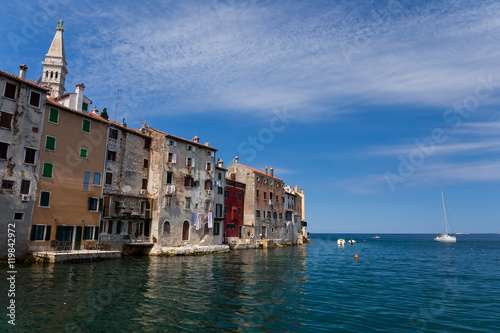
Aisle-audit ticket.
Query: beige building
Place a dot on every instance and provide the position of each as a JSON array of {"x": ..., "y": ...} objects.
[{"x": 22, "y": 110}]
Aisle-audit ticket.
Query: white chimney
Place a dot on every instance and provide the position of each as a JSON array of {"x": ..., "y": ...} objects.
[
  {"x": 196, "y": 139},
  {"x": 271, "y": 170},
  {"x": 95, "y": 111},
  {"x": 79, "y": 96},
  {"x": 22, "y": 72}
]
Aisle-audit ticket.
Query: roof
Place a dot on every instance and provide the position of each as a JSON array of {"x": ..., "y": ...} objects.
[
  {"x": 17, "y": 78},
  {"x": 218, "y": 167},
  {"x": 182, "y": 139},
  {"x": 258, "y": 171}
]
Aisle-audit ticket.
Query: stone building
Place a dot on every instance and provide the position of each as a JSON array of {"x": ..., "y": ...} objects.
[
  {"x": 126, "y": 214},
  {"x": 22, "y": 110},
  {"x": 218, "y": 191},
  {"x": 264, "y": 204},
  {"x": 182, "y": 188}
]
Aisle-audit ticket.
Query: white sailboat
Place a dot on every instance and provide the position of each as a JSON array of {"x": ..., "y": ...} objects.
[{"x": 445, "y": 238}]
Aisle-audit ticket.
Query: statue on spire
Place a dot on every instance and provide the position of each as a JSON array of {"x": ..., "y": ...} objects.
[{"x": 60, "y": 23}]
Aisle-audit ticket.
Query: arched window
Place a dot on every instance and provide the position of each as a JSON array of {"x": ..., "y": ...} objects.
[
  {"x": 47, "y": 74},
  {"x": 56, "y": 75},
  {"x": 51, "y": 75},
  {"x": 185, "y": 231},
  {"x": 166, "y": 228}
]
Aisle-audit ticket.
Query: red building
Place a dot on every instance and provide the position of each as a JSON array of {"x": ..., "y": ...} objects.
[{"x": 234, "y": 198}]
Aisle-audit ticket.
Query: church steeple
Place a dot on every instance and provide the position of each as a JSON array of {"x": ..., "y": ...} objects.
[{"x": 54, "y": 66}]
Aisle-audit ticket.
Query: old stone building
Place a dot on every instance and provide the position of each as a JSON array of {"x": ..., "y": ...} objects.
[
  {"x": 22, "y": 109},
  {"x": 182, "y": 188},
  {"x": 218, "y": 191},
  {"x": 126, "y": 214},
  {"x": 264, "y": 204}
]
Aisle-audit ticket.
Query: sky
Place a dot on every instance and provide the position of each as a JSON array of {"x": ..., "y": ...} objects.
[{"x": 373, "y": 107}]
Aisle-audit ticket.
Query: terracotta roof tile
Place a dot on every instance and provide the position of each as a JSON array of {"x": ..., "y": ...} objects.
[
  {"x": 261, "y": 172},
  {"x": 15, "y": 77}
]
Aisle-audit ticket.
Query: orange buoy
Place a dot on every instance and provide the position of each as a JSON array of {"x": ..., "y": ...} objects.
[{"x": 356, "y": 256}]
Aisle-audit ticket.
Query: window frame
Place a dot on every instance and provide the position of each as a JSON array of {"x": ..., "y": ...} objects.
[
  {"x": 40, "y": 199},
  {"x": 50, "y": 114},
  {"x": 31, "y": 96},
  {"x": 93, "y": 179},
  {"x": 10, "y": 120},
  {"x": 44, "y": 165},
  {"x": 15, "y": 90},
  {"x": 86, "y": 153},
  {"x": 92, "y": 200},
  {"x": 34, "y": 158},
  {"x": 6, "y": 150},
  {"x": 46, "y": 141},
  {"x": 85, "y": 120}
]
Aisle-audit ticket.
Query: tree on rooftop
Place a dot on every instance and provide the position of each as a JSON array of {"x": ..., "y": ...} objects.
[{"x": 104, "y": 113}]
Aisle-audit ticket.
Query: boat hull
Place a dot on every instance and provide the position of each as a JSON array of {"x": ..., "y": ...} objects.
[{"x": 445, "y": 239}]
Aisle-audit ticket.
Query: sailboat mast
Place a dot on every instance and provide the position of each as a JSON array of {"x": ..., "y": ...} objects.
[{"x": 444, "y": 210}]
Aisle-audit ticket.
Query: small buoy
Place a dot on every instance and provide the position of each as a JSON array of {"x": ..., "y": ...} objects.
[{"x": 356, "y": 256}]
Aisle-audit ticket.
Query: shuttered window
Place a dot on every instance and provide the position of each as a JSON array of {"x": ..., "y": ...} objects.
[
  {"x": 50, "y": 143},
  {"x": 86, "y": 126},
  {"x": 47, "y": 170},
  {"x": 54, "y": 115}
]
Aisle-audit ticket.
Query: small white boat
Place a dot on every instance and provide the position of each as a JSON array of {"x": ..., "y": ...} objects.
[
  {"x": 445, "y": 238},
  {"x": 351, "y": 241},
  {"x": 341, "y": 242}
]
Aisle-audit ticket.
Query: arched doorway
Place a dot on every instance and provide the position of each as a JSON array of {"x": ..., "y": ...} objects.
[{"x": 185, "y": 231}]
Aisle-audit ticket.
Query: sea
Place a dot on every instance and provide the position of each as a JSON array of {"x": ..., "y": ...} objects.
[{"x": 398, "y": 283}]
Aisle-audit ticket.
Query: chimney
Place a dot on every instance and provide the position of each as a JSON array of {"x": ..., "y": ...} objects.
[
  {"x": 196, "y": 139},
  {"x": 296, "y": 189},
  {"x": 79, "y": 96},
  {"x": 220, "y": 163},
  {"x": 124, "y": 124},
  {"x": 207, "y": 144},
  {"x": 271, "y": 171},
  {"x": 22, "y": 72},
  {"x": 95, "y": 111},
  {"x": 266, "y": 169},
  {"x": 236, "y": 159}
]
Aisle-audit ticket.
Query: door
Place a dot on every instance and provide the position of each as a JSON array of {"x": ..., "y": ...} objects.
[
  {"x": 185, "y": 231},
  {"x": 78, "y": 238}
]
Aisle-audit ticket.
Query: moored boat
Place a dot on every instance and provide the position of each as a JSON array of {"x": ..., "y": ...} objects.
[{"x": 341, "y": 242}]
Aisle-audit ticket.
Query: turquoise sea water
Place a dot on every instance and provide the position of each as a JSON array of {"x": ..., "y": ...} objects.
[{"x": 400, "y": 283}]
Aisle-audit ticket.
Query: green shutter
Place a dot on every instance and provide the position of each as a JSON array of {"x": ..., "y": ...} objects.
[
  {"x": 101, "y": 204},
  {"x": 54, "y": 116},
  {"x": 96, "y": 233},
  {"x": 47, "y": 170},
  {"x": 83, "y": 153},
  {"x": 47, "y": 233},
  {"x": 86, "y": 126},
  {"x": 33, "y": 232},
  {"x": 50, "y": 143},
  {"x": 59, "y": 232},
  {"x": 85, "y": 106}
]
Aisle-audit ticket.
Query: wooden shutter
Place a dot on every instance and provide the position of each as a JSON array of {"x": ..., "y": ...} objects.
[
  {"x": 47, "y": 232},
  {"x": 96, "y": 233},
  {"x": 101, "y": 204},
  {"x": 59, "y": 232},
  {"x": 33, "y": 232}
]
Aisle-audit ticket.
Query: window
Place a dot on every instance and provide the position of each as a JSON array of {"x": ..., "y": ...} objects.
[
  {"x": 257, "y": 194},
  {"x": 172, "y": 143},
  {"x": 83, "y": 153},
  {"x": 170, "y": 177},
  {"x": 86, "y": 181},
  {"x": 34, "y": 99},
  {"x": 18, "y": 216},
  {"x": 190, "y": 162},
  {"x": 281, "y": 216},
  {"x": 265, "y": 195},
  {"x": 5, "y": 120},
  {"x": 210, "y": 153},
  {"x": 257, "y": 178},
  {"x": 85, "y": 106},
  {"x": 219, "y": 175},
  {"x": 113, "y": 133},
  {"x": 209, "y": 166},
  {"x": 166, "y": 228},
  {"x": 53, "y": 116},
  {"x": 275, "y": 215},
  {"x": 10, "y": 90},
  {"x": 40, "y": 232},
  {"x": 216, "y": 228},
  {"x": 7, "y": 184},
  {"x": 172, "y": 158},
  {"x": 50, "y": 143},
  {"x": 109, "y": 178},
  {"x": 257, "y": 213},
  {"x": 239, "y": 210},
  {"x": 111, "y": 155},
  {"x": 265, "y": 180},
  {"x": 207, "y": 205},
  {"x": 208, "y": 184},
  {"x": 146, "y": 163},
  {"x": 89, "y": 233},
  {"x": 86, "y": 126},
  {"x": 190, "y": 148},
  {"x": 147, "y": 144},
  {"x": 277, "y": 198},
  {"x": 97, "y": 178},
  {"x": 188, "y": 203},
  {"x": 25, "y": 186},
  {"x": 93, "y": 204},
  {"x": 47, "y": 170},
  {"x": 218, "y": 210},
  {"x": 168, "y": 201},
  {"x": 225, "y": 209},
  {"x": 4, "y": 147},
  {"x": 271, "y": 182},
  {"x": 239, "y": 196},
  {"x": 226, "y": 194},
  {"x": 271, "y": 196},
  {"x": 283, "y": 199},
  {"x": 188, "y": 181},
  {"x": 29, "y": 155},
  {"x": 144, "y": 183},
  {"x": 44, "y": 199},
  {"x": 220, "y": 190},
  {"x": 268, "y": 214}
]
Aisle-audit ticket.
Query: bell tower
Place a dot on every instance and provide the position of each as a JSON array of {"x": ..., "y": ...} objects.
[{"x": 54, "y": 66}]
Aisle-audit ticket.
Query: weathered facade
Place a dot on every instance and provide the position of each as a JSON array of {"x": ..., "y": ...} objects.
[
  {"x": 70, "y": 186},
  {"x": 264, "y": 204},
  {"x": 218, "y": 191},
  {"x": 234, "y": 210},
  {"x": 22, "y": 108},
  {"x": 126, "y": 213},
  {"x": 182, "y": 189}
]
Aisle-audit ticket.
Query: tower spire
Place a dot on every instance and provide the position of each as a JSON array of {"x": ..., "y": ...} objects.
[{"x": 54, "y": 66}]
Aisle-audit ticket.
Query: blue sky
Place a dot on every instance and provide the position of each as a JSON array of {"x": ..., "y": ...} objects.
[{"x": 373, "y": 107}]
